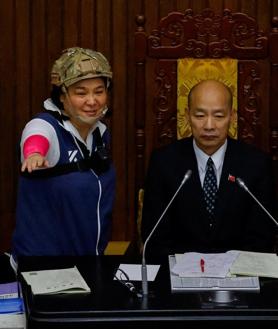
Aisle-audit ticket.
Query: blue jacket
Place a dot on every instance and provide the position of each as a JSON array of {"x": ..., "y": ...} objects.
[{"x": 68, "y": 214}]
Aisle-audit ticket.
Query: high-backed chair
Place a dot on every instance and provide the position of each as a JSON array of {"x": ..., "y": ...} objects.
[{"x": 206, "y": 35}]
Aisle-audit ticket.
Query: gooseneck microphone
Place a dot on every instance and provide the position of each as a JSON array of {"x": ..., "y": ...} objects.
[
  {"x": 144, "y": 266},
  {"x": 241, "y": 183}
]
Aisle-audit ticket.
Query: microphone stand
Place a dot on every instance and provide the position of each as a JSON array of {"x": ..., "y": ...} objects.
[
  {"x": 222, "y": 297},
  {"x": 144, "y": 266},
  {"x": 241, "y": 183}
]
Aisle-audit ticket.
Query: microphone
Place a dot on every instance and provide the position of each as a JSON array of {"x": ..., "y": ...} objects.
[
  {"x": 241, "y": 184},
  {"x": 144, "y": 266}
]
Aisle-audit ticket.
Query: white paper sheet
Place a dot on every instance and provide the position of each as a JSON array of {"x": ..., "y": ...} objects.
[
  {"x": 215, "y": 265},
  {"x": 12, "y": 321},
  {"x": 134, "y": 272},
  {"x": 256, "y": 264}
]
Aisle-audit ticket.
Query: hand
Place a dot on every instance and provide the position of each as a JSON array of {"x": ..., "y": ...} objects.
[{"x": 33, "y": 162}]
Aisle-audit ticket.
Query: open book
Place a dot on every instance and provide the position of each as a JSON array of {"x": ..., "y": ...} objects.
[{"x": 61, "y": 281}]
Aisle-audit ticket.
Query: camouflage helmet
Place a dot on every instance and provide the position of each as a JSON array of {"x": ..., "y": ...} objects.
[{"x": 77, "y": 64}]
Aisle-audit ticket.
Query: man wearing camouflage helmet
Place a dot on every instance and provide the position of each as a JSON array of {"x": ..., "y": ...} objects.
[{"x": 67, "y": 184}]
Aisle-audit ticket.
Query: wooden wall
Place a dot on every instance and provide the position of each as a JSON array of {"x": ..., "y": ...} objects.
[{"x": 32, "y": 35}]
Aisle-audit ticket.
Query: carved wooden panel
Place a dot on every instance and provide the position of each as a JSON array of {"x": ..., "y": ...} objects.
[
  {"x": 250, "y": 108},
  {"x": 207, "y": 35},
  {"x": 165, "y": 102},
  {"x": 273, "y": 104}
]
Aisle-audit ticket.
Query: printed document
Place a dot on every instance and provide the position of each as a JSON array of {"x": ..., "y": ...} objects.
[
  {"x": 63, "y": 281},
  {"x": 184, "y": 284},
  {"x": 9, "y": 290},
  {"x": 256, "y": 264},
  {"x": 10, "y": 300},
  {"x": 193, "y": 264}
]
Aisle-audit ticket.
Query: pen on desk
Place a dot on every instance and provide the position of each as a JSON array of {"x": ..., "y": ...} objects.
[{"x": 202, "y": 265}]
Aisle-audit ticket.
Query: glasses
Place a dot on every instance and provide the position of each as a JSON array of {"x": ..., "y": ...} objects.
[{"x": 122, "y": 277}]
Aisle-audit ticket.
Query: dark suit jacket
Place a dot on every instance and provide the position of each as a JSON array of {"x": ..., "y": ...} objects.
[{"x": 240, "y": 223}]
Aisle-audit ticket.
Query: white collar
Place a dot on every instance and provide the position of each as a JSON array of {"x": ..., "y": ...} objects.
[{"x": 202, "y": 157}]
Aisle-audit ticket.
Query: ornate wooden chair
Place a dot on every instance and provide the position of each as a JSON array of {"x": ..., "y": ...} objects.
[{"x": 207, "y": 36}]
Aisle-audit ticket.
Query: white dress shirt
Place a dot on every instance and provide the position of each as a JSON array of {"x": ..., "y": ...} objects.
[{"x": 217, "y": 157}]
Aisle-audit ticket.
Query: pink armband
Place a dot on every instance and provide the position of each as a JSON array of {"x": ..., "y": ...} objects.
[{"x": 35, "y": 144}]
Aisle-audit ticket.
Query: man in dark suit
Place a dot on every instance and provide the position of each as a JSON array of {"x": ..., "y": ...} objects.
[{"x": 196, "y": 221}]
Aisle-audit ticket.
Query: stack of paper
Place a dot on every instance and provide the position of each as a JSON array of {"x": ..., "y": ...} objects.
[
  {"x": 12, "y": 321},
  {"x": 11, "y": 307},
  {"x": 10, "y": 301},
  {"x": 256, "y": 264},
  {"x": 221, "y": 265},
  {"x": 61, "y": 281},
  {"x": 9, "y": 290},
  {"x": 193, "y": 264},
  {"x": 197, "y": 283}
]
